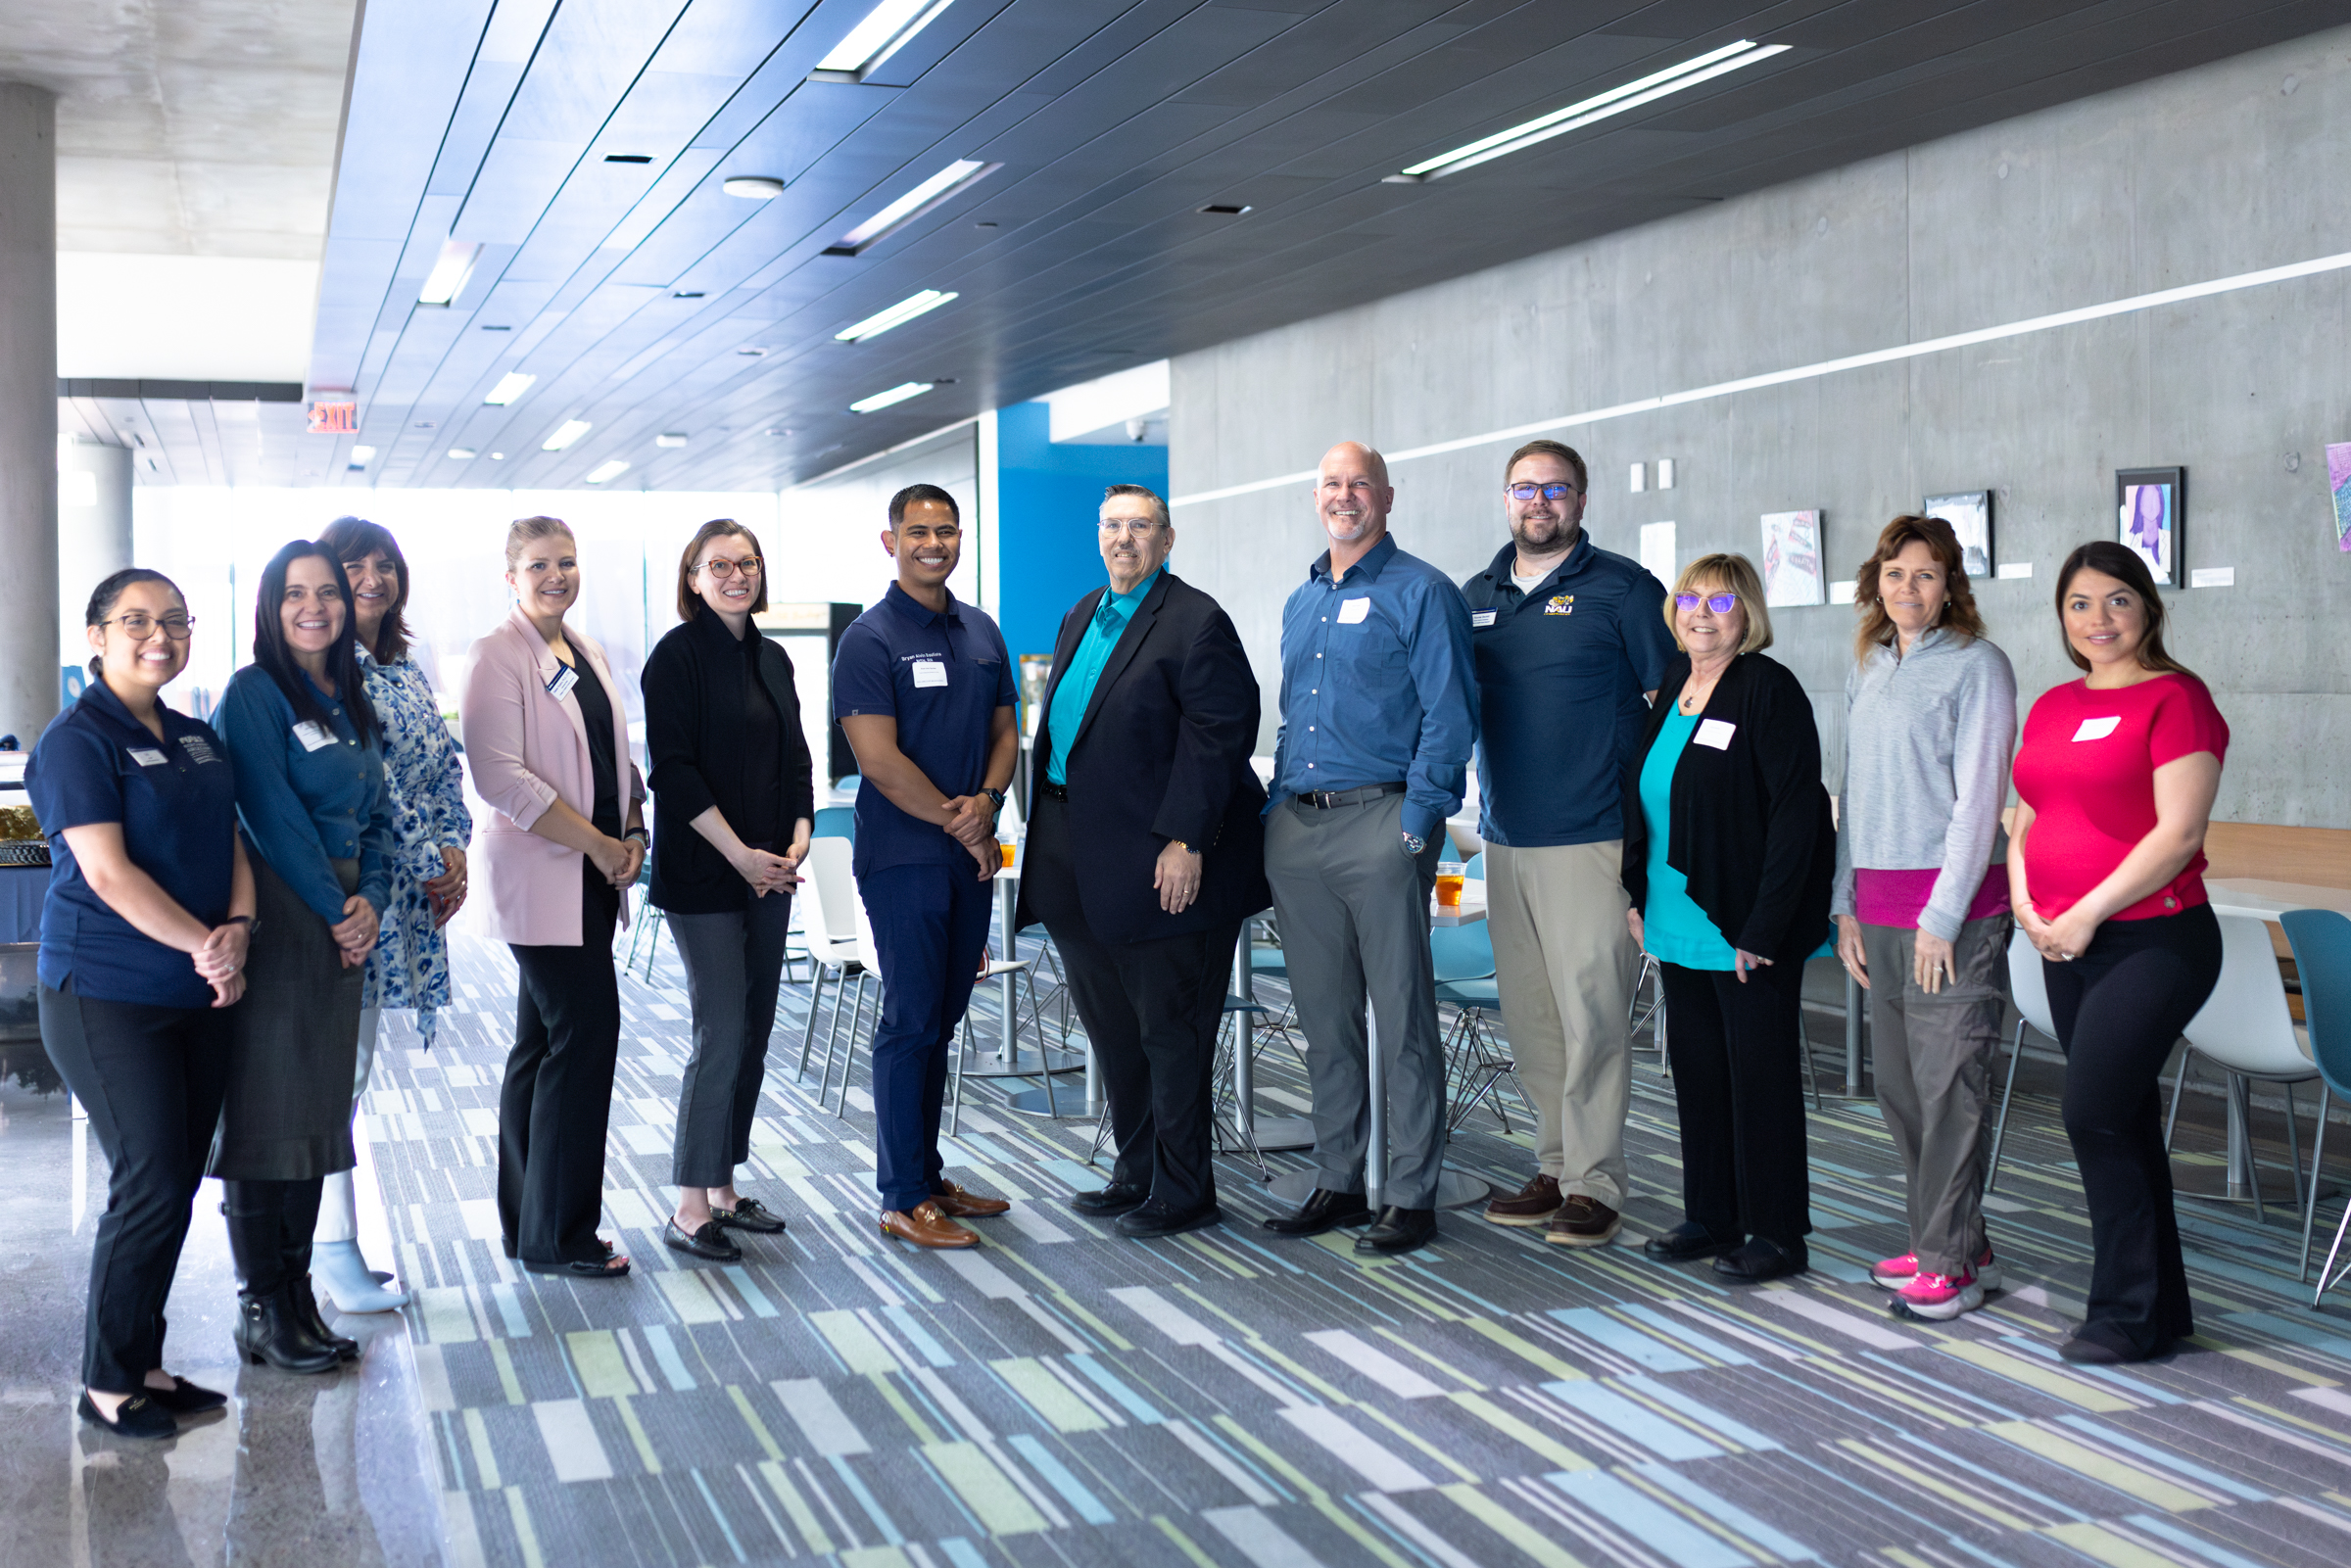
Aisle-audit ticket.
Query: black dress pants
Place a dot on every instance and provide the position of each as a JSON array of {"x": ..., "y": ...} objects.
[
  {"x": 152, "y": 1079},
  {"x": 558, "y": 1097},
  {"x": 1152, "y": 1010},
  {"x": 2119, "y": 1008},
  {"x": 1739, "y": 1084}
]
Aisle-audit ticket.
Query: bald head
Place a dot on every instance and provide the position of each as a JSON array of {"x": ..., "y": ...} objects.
[
  {"x": 1353, "y": 496},
  {"x": 1354, "y": 458}
]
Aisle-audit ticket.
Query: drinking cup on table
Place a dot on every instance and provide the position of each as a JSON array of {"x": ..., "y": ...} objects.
[{"x": 1450, "y": 874}]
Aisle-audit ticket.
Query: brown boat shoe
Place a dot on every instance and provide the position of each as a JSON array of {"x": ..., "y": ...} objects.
[
  {"x": 1532, "y": 1205},
  {"x": 1583, "y": 1222},
  {"x": 954, "y": 1200},
  {"x": 927, "y": 1226}
]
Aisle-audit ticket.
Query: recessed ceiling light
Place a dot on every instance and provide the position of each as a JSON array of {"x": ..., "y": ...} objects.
[
  {"x": 1599, "y": 106},
  {"x": 461, "y": 454},
  {"x": 361, "y": 456},
  {"x": 753, "y": 187},
  {"x": 569, "y": 431},
  {"x": 487, "y": 328},
  {"x": 424, "y": 424},
  {"x": 670, "y": 438},
  {"x": 498, "y": 456},
  {"x": 753, "y": 352},
  {"x": 887, "y": 28},
  {"x": 511, "y": 386},
  {"x": 603, "y": 471},
  {"x": 686, "y": 294},
  {"x": 447, "y": 281},
  {"x": 628, "y": 157},
  {"x": 948, "y": 183},
  {"x": 1226, "y": 210},
  {"x": 897, "y": 394},
  {"x": 898, "y": 314}
]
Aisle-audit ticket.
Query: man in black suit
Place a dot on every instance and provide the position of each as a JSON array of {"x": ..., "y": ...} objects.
[{"x": 1146, "y": 853}]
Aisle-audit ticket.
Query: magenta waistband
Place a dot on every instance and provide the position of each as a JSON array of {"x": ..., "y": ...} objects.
[{"x": 1896, "y": 897}]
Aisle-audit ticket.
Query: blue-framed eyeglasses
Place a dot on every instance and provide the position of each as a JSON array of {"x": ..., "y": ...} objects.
[
  {"x": 1556, "y": 490},
  {"x": 1719, "y": 604}
]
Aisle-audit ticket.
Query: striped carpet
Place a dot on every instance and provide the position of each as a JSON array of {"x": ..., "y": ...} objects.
[{"x": 1059, "y": 1396}]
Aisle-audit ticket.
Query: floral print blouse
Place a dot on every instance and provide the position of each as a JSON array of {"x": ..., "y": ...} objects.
[{"x": 410, "y": 964}]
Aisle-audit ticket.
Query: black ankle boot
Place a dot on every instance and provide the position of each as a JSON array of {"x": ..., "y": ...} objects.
[
  {"x": 306, "y": 1300},
  {"x": 271, "y": 1332}
]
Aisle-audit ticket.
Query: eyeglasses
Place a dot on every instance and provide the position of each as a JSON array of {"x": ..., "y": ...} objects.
[
  {"x": 1139, "y": 527},
  {"x": 1552, "y": 491},
  {"x": 720, "y": 567},
  {"x": 1719, "y": 604},
  {"x": 136, "y": 623}
]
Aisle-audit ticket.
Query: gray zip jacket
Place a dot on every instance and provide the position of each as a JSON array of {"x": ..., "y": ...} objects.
[{"x": 1926, "y": 744}]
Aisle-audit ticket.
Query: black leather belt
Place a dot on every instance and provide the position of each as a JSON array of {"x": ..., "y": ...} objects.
[
  {"x": 1328, "y": 799},
  {"x": 1052, "y": 791}
]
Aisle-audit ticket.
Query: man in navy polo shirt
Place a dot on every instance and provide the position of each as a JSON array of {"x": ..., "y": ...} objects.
[
  {"x": 1571, "y": 644},
  {"x": 925, "y": 694}
]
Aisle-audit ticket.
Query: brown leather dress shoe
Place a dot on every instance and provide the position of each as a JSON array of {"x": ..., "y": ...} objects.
[
  {"x": 1583, "y": 1222},
  {"x": 953, "y": 1200},
  {"x": 927, "y": 1226},
  {"x": 1531, "y": 1204}
]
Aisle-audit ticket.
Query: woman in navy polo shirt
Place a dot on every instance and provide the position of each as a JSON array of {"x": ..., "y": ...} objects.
[
  {"x": 142, "y": 955},
  {"x": 308, "y": 752}
]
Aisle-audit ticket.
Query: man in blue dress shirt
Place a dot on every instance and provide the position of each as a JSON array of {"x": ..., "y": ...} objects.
[{"x": 1378, "y": 718}]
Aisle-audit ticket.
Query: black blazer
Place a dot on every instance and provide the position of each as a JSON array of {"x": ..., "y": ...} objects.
[
  {"x": 1749, "y": 824},
  {"x": 694, "y": 685},
  {"x": 1163, "y": 753}
]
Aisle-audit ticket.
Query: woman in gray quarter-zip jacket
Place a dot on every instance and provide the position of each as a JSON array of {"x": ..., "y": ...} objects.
[{"x": 1922, "y": 891}]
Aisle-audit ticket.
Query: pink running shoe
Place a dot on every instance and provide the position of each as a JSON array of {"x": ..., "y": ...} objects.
[
  {"x": 1937, "y": 1297},
  {"x": 1894, "y": 1273}
]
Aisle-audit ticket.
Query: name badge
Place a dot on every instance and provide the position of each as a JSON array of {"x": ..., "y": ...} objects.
[
  {"x": 929, "y": 672},
  {"x": 2098, "y": 729},
  {"x": 566, "y": 678},
  {"x": 1479, "y": 618},
  {"x": 146, "y": 756},
  {"x": 1716, "y": 732},
  {"x": 1353, "y": 610},
  {"x": 312, "y": 734}
]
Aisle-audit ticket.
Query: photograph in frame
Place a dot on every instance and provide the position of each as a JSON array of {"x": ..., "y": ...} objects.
[
  {"x": 1793, "y": 572},
  {"x": 1969, "y": 512},
  {"x": 2151, "y": 518}
]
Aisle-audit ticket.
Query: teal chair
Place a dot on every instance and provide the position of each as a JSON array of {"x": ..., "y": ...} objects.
[
  {"x": 834, "y": 822},
  {"x": 1475, "y": 1061},
  {"x": 2322, "y": 943}
]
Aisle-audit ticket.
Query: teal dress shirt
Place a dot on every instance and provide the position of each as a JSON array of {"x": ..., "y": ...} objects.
[
  {"x": 1077, "y": 688},
  {"x": 1674, "y": 928}
]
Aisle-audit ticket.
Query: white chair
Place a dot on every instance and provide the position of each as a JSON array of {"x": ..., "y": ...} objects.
[
  {"x": 2245, "y": 1030},
  {"x": 828, "y": 897},
  {"x": 869, "y": 962},
  {"x": 2031, "y": 994}
]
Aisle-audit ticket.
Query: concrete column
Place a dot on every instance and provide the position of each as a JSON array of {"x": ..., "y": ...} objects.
[
  {"x": 29, "y": 646},
  {"x": 93, "y": 532}
]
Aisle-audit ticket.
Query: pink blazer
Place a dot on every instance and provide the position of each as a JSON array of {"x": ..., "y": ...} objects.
[{"x": 526, "y": 750}]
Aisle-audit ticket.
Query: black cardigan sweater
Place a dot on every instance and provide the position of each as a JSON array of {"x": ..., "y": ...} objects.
[
  {"x": 1748, "y": 824},
  {"x": 695, "y": 692}
]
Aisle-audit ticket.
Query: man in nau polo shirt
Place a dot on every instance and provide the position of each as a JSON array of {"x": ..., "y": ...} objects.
[{"x": 1570, "y": 642}]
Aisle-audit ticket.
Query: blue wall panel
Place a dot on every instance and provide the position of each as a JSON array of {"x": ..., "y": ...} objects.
[{"x": 1048, "y": 497}]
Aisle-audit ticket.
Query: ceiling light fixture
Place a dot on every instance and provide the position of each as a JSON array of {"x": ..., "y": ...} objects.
[
  {"x": 628, "y": 157},
  {"x": 949, "y": 182},
  {"x": 753, "y": 187},
  {"x": 569, "y": 431},
  {"x": 608, "y": 470},
  {"x": 461, "y": 454},
  {"x": 887, "y": 28},
  {"x": 511, "y": 386},
  {"x": 447, "y": 281},
  {"x": 1227, "y": 209},
  {"x": 898, "y": 314},
  {"x": 670, "y": 438},
  {"x": 361, "y": 456},
  {"x": 897, "y": 394},
  {"x": 1615, "y": 101}
]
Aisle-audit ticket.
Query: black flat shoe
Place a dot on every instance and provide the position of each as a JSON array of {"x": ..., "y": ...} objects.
[
  {"x": 184, "y": 1398},
  {"x": 709, "y": 1241},
  {"x": 1399, "y": 1230},
  {"x": 1154, "y": 1219},
  {"x": 749, "y": 1215},
  {"x": 1758, "y": 1261},
  {"x": 1324, "y": 1209},
  {"x": 138, "y": 1416},
  {"x": 1686, "y": 1243},
  {"x": 1119, "y": 1198}
]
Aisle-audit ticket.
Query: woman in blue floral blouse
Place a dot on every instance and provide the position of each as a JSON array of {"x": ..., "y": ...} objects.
[{"x": 409, "y": 968}]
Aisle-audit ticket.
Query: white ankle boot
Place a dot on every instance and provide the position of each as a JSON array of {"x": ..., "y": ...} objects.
[{"x": 338, "y": 1266}]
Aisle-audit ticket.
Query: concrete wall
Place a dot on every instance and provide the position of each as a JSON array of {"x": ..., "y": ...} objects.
[{"x": 2205, "y": 174}]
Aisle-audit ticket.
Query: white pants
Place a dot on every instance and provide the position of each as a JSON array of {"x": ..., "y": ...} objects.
[{"x": 338, "y": 1204}]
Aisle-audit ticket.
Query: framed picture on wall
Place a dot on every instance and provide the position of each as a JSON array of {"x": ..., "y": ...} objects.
[
  {"x": 1791, "y": 568},
  {"x": 1969, "y": 512},
  {"x": 2151, "y": 517}
]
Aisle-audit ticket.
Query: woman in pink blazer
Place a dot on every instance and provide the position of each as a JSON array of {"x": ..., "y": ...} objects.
[{"x": 546, "y": 739}]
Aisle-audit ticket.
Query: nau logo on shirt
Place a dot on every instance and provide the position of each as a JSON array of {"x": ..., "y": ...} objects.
[{"x": 1561, "y": 604}]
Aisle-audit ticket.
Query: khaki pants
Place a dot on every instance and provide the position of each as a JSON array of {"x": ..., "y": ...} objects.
[{"x": 1565, "y": 965}]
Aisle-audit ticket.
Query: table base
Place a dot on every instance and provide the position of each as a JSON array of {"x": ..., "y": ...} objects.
[{"x": 1022, "y": 1064}]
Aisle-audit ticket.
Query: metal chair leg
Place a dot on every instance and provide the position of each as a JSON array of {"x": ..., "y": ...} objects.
[
  {"x": 2327, "y": 1274},
  {"x": 816, "y": 994},
  {"x": 2188, "y": 1056},
  {"x": 848, "y": 1056},
  {"x": 2318, "y": 1162},
  {"x": 2241, "y": 1098},
  {"x": 1999, "y": 1131},
  {"x": 955, "y": 1067},
  {"x": 2293, "y": 1141}
]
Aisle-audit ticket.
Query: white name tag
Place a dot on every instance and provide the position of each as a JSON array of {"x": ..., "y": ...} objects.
[
  {"x": 929, "y": 672},
  {"x": 1353, "y": 610},
  {"x": 312, "y": 734},
  {"x": 1716, "y": 732},
  {"x": 566, "y": 678},
  {"x": 2098, "y": 729},
  {"x": 1479, "y": 617},
  {"x": 146, "y": 756}
]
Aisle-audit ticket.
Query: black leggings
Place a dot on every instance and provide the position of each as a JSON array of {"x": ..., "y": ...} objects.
[
  {"x": 2119, "y": 1008},
  {"x": 270, "y": 1229}
]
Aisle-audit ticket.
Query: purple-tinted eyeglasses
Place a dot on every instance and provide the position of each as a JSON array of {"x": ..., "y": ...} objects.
[{"x": 1719, "y": 604}]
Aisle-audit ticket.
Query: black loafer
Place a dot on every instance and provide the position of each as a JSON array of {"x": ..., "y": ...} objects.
[
  {"x": 612, "y": 1266},
  {"x": 1760, "y": 1261},
  {"x": 1154, "y": 1219},
  {"x": 1399, "y": 1230},
  {"x": 749, "y": 1215},
  {"x": 709, "y": 1241},
  {"x": 1324, "y": 1209},
  {"x": 138, "y": 1416},
  {"x": 1686, "y": 1243},
  {"x": 184, "y": 1398},
  {"x": 1119, "y": 1198}
]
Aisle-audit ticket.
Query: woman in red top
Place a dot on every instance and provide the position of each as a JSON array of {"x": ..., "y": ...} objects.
[{"x": 2116, "y": 778}]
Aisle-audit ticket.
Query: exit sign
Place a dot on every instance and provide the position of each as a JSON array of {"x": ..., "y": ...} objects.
[{"x": 334, "y": 419}]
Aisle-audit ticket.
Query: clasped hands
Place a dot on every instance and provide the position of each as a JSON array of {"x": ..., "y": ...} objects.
[
  {"x": 972, "y": 823},
  {"x": 221, "y": 961},
  {"x": 770, "y": 873},
  {"x": 2060, "y": 940}
]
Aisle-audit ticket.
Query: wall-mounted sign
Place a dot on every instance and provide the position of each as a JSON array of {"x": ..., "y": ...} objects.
[{"x": 334, "y": 419}]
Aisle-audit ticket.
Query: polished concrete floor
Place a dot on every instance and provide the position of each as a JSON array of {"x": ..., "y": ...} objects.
[{"x": 1060, "y": 1397}]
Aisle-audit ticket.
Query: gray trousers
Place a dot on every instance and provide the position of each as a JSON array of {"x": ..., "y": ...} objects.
[
  {"x": 734, "y": 963},
  {"x": 1354, "y": 914},
  {"x": 1934, "y": 1057}
]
